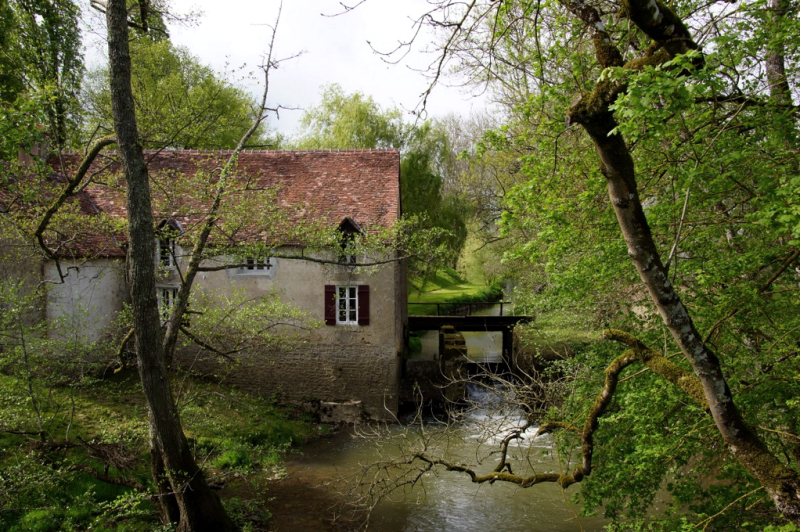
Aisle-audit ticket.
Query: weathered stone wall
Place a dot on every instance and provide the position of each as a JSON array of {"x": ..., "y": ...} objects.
[
  {"x": 334, "y": 372},
  {"x": 341, "y": 363}
]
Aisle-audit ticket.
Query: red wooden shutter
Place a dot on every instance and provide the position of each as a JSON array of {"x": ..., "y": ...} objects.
[
  {"x": 363, "y": 304},
  {"x": 330, "y": 304}
]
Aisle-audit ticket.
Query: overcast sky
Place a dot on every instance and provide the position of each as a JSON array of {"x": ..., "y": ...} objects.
[{"x": 233, "y": 32}]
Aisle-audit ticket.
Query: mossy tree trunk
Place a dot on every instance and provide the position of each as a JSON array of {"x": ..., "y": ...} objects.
[
  {"x": 616, "y": 163},
  {"x": 199, "y": 507}
]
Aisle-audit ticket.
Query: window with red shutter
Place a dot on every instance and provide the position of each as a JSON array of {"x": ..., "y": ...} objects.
[
  {"x": 330, "y": 304},
  {"x": 346, "y": 305},
  {"x": 363, "y": 304}
]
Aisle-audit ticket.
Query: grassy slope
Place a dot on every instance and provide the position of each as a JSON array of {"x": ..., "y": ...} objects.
[
  {"x": 444, "y": 286},
  {"x": 229, "y": 431}
]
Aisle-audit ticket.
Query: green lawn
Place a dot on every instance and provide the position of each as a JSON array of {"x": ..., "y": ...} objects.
[{"x": 445, "y": 286}]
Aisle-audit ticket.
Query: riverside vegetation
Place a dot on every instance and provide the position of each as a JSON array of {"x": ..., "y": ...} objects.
[{"x": 88, "y": 467}]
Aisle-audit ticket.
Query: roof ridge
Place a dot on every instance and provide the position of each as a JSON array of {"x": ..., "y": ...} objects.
[
  {"x": 181, "y": 151},
  {"x": 321, "y": 150}
]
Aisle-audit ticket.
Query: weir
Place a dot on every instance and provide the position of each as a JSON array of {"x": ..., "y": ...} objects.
[{"x": 437, "y": 376}]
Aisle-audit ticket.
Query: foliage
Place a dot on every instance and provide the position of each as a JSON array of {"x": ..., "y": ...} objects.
[
  {"x": 422, "y": 194},
  {"x": 42, "y": 489},
  {"x": 713, "y": 137},
  {"x": 180, "y": 103},
  {"x": 46, "y": 56},
  {"x": 355, "y": 121},
  {"x": 725, "y": 226},
  {"x": 10, "y": 81}
]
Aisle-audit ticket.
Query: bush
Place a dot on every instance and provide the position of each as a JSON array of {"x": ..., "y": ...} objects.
[{"x": 234, "y": 459}]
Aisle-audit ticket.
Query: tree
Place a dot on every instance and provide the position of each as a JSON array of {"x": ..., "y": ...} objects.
[
  {"x": 10, "y": 82},
  {"x": 180, "y": 102},
  {"x": 695, "y": 153},
  {"x": 191, "y": 501},
  {"x": 354, "y": 121},
  {"x": 422, "y": 192},
  {"x": 45, "y": 58}
]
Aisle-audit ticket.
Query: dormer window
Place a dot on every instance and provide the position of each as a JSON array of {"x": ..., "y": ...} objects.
[
  {"x": 166, "y": 233},
  {"x": 350, "y": 230}
]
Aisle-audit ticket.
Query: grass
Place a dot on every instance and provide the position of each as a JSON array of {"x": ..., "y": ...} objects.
[
  {"x": 228, "y": 430},
  {"x": 444, "y": 287}
]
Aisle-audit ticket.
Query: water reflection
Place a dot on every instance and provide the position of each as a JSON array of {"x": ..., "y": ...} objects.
[{"x": 448, "y": 500}]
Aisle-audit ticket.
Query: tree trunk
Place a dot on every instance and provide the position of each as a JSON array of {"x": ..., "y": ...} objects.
[
  {"x": 199, "y": 507},
  {"x": 592, "y": 112},
  {"x": 779, "y": 89}
]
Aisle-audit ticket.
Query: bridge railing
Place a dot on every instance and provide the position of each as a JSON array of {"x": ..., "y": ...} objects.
[{"x": 457, "y": 309}]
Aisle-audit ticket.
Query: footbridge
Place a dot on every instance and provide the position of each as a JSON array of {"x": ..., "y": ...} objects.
[{"x": 474, "y": 323}]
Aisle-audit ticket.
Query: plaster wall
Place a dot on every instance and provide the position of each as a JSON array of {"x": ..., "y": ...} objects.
[
  {"x": 340, "y": 363},
  {"x": 88, "y": 300},
  {"x": 21, "y": 265}
]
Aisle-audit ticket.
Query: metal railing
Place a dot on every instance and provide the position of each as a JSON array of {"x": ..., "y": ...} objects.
[{"x": 458, "y": 308}]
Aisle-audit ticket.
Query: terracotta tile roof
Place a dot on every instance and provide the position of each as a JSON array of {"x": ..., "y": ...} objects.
[
  {"x": 26, "y": 194},
  {"x": 326, "y": 185}
]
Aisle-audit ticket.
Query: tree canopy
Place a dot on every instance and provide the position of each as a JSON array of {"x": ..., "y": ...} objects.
[
  {"x": 180, "y": 102},
  {"x": 41, "y": 54},
  {"x": 656, "y": 192},
  {"x": 350, "y": 121}
]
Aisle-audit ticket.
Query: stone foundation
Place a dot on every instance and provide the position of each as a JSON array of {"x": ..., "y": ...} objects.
[{"x": 319, "y": 374}]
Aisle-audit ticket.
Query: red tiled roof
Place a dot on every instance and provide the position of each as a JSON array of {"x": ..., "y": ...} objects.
[{"x": 326, "y": 185}]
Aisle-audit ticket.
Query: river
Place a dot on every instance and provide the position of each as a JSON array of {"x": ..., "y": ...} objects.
[
  {"x": 446, "y": 500},
  {"x": 311, "y": 494}
]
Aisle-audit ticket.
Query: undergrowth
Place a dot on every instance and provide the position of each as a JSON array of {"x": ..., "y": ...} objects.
[{"x": 44, "y": 486}]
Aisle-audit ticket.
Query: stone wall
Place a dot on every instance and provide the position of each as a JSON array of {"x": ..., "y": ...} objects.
[
  {"x": 335, "y": 364},
  {"x": 341, "y": 363},
  {"x": 330, "y": 373}
]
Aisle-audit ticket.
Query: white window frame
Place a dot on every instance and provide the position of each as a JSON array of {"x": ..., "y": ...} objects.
[
  {"x": 256, "y": 264},
  {"x": 166, "y": 301},
  {"x": 266, "y": 269},
  {"x": 347, "y": 304},
  {"x": 168, "y": 260}
]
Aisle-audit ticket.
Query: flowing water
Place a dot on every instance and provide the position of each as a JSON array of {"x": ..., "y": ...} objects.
[
  {"x": 444, "y": 501},
  {"x": 448, "y": 500}
]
